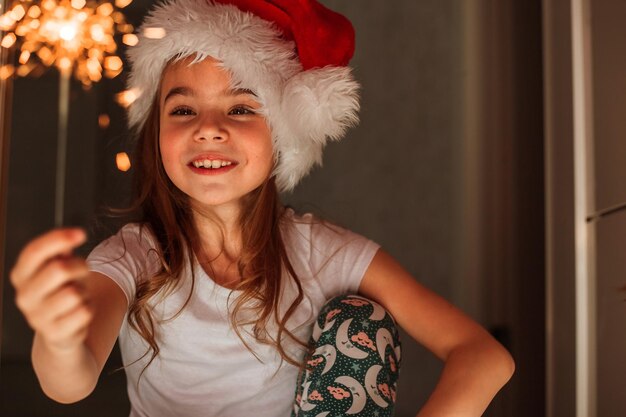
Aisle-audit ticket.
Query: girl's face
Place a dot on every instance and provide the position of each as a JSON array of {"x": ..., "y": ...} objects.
[{"x": 214, "y": 144}]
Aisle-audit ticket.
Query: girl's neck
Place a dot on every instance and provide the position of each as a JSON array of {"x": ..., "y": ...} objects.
[
  {"x": 219, "y": 246},
  {"x": 219, "y": 232}
]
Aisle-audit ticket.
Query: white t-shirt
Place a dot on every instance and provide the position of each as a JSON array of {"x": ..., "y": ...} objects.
[{"x": 203, "y": 368}]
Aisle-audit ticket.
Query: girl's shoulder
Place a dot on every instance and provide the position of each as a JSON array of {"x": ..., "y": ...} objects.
[
  {"x": 133, "y": 240},
  {"x": 133, "y": 234},
  {"x": 309, "y": 225},
  {"x": 127, "y": 257},
  {"x": 320, "y": 235}
]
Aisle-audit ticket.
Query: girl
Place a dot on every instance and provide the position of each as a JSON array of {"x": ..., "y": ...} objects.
[{"x": 216, "y": 289}]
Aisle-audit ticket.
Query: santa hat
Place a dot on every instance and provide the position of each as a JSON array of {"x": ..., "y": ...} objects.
[{"x": 291, "y": 53}]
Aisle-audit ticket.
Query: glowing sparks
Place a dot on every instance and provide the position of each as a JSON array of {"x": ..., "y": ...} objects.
[
  {"x": 104, "y": 121},
  {"x": 123, "y": 161},
  {"x": 8, "y": 40},
  {"x": 105, "y": 9},
  {"x": 24, "y": 57},
  {"x": 127, "y": 97},
  {"x": 65, "y": 63},
  {"x": 113, "y": 63},
  {"x": 154, "y": 33},
  {"x": 78, "y": 4},
  {"x": 6, "y": 71},
  {"x": 18, "y": 13},
  {"x": 130, "y": 39},
  {"x": 97, "y": 33},
  {"x": 34, "y": 12},
  {"x": 125, "y": 28},
  {"x": 6, "y": 22},
  {"x": 120, "y": 4},
  {"x": 25, "y": 70},
  {"x": 72, "y": 35},
  {"x": 68, "y": 30},
  {"x": 48, "y": 5}
]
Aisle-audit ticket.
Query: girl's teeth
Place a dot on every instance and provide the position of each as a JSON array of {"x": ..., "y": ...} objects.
[{"x": 211, "y": 164}]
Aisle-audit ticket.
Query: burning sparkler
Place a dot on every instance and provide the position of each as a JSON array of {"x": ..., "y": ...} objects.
[
  {"x": 76, "y": 37},
  {"x": 72, "y": 35}
]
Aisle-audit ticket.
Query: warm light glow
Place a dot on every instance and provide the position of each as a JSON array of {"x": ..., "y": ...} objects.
[
  {"x": 104, "y": 121},
  {"x": 113, "y": 63},
  {"x": 97, "y": 33},
  {"x": 127, "y": 97},
  {"x": 76, "y": 35},
  {"x": 22, "y": 30},
  {"x": 65, "y": 63},
  {"x": 105, "y": 9},
  {"x": 24, "y": 70},
  {"x": 130, "y": 39},
  {"x": 6, "y": 71},
  {"x": 154, "y": 33},
  {"x": 78, "y": 4},
  {"x": 18, "y": 13},
  {"x": 48, "y": 4},
  {"x": 122, "y": 3},
  {"x": 24, "y": 56},
  {"x": 125, "y": 28},
  {"x": 8, "y": 40},
  {"x": 46, "y": 56},
  {"x": 6, "y": 22},
  {"x": 68, "y": 30},
  {"x": 93, "y": 66},
  {"x": 34, "y": 12},
  {"x": 123, "y": 161}
]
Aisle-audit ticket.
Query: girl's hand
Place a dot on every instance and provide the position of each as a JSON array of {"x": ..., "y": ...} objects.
[{"x": 49, "y": 290}]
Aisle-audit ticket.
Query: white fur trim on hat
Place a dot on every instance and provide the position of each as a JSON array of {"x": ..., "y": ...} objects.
[{"x": 303, "y": 108}]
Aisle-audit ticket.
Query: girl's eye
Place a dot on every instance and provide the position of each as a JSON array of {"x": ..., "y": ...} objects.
[
  {"x": 182, "y": 111},
  {"x": 241, "y": 110}
]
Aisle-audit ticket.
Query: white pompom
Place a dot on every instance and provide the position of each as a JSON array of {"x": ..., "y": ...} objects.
[{"x": 322, "y": 103}]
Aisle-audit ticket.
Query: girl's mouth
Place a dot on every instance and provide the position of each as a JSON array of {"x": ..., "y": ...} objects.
[{"x": 211, "y": 164}]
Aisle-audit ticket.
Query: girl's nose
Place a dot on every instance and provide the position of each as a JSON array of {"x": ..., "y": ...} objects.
[{"x": 210, "y": 128}]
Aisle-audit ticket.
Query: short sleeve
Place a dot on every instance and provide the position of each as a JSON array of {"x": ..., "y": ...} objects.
[
  {"x": 336, "y": 257},
  {"x": 128, "y": 257}
]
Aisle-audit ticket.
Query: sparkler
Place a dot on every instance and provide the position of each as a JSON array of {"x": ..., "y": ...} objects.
[
  {"x": 72, "y": 35},
  {"x": 76, "y": 37}
]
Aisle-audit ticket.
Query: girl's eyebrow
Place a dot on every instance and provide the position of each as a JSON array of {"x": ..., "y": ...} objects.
[
  {"x": 240, "y": 91},
  {"x": 185, "y": 91},
  {"x": 180, "y": 91}
]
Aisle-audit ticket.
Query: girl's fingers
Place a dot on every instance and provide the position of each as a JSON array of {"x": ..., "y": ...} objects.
[
  {"x": 70, "y": 329},
  {"x": 57, "y": 305},
  {"x": 54, "y": 275},
  {"x": 38, "y": 251}
]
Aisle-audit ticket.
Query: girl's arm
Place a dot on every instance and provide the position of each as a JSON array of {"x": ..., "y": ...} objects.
[
  {"x": 76, "y": 314},
  {"x": 476, "y": 365}
]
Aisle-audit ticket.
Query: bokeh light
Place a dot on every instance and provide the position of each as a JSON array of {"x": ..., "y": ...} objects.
[{"x": 72, "y": 35}]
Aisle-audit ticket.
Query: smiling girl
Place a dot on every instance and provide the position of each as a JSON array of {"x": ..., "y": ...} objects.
[{"x": 225, "y": 302}]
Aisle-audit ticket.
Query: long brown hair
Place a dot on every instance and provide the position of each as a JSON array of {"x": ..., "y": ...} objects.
[{"x": 159, "y": 205}]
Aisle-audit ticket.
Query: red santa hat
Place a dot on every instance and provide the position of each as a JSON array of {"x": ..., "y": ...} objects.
[{"x": 292, "y": 53}]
